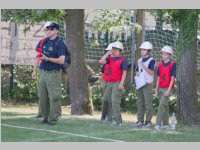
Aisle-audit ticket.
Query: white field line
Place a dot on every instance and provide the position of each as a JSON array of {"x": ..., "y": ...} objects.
[
  {"x": 117, "y": 132},
  {"x": 60, "y": 132},
  {"x": 44, "y": 139}
]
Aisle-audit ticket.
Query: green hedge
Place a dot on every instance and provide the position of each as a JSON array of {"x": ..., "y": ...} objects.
[
  {"x": 26, "y": 90},
  {"x": 128, "y": 103}
]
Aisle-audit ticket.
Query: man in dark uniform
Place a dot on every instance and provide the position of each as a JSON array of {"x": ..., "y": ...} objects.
[
  {"x": 36, "y": 64},
  {"x": 53, "y": 56}
]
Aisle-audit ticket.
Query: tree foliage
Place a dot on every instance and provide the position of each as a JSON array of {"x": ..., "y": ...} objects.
[
  {"x": 115, "y": 19},
  {"x": 185, "y": 21},
  {"x": 30, "y": 17},
  {"x": 108, "y": 19}
]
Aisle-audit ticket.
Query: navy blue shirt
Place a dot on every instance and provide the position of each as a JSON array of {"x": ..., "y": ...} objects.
[
  {"x": 151, "y": 63},
  {"x": 52, "y": 49},
  {"x": 173, "y": 71}
]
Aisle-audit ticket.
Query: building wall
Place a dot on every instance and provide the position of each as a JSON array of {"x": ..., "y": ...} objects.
[{"x": 24, "y": 52}]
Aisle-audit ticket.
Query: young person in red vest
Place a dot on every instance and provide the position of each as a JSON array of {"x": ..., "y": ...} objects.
[
  {"x": 115, "y": 71},
  {"x": 102, "y": 84},
  {"x": 165, "y": 83}
]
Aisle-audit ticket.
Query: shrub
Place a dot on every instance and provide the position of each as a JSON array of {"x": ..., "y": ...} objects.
[
  {"x": 24, "y": 88},
  {"x": 129, "y": 97}
]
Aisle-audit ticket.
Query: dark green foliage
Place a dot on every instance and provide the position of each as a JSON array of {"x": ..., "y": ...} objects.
[
  {"x": 183, "y": 20},
  {"x": 29, "y": 17},
  {"x": 128, "y": 102},
  {"x": 97, "y": 94},
  {"x": 129, "y": 98},
  {"x": 24, "y": 88},
  {"x": 4, "y": 82}
]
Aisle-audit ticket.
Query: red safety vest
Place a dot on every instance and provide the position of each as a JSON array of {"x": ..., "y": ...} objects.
[
  {"x": 113, "y": 71},
  {"x": 39, "y": 50},
  {"x": 165, "y": 75}
]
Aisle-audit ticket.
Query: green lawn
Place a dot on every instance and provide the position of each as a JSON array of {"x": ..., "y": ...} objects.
[{"x": 18, "y": 124}]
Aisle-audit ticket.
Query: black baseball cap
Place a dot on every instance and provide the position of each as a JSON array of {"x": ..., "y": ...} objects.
[{"x": 54, "y": 25}]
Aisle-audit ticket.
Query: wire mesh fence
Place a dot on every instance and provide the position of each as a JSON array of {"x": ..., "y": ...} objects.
[
  {"x": 160, "y": 34},
  {"x": 94, "y": 44}
]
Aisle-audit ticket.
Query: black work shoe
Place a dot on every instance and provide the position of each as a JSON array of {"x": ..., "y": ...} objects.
[
  {"x": 139, "y": 123},
  {"x": 38, "y": 116},
  {"x": 147, "y": 124},
  {"x": 103, "y": 118},
  {"x": 44, "y": 121}
]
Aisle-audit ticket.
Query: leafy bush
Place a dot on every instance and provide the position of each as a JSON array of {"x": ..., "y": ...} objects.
[
  {"x": 24, "y": 88},
  {"x": 129, "y": 97},
  {"x": 4, "y": 82},
  {"x": 96, "y": 94}
]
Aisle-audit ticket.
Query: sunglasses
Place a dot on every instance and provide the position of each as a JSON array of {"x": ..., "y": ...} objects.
[{"x": 49, "y": 29}]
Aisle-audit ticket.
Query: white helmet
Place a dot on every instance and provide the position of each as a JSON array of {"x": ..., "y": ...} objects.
[
  {"x": 118, "y": 45},
  {"x": 167, "y": 49},
  {"x": 109, "y": 47},
  {"x": 146, "y": 45},
  {"x": 47, "y": 24}
]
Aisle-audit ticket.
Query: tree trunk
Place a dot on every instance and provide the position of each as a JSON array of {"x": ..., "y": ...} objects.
[
  {"x": 78, "y": 78},
  {"x": 187, "y": 111},
  {"x": 187, "y": 101},
  {"x": 140, "y": 37}
]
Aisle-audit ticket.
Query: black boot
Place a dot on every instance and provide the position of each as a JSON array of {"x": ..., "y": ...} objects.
[{"x": 45, "y": 121}]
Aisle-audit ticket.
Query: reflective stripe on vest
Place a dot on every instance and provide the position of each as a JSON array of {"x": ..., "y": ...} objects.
[
  {"x": 113, "y": 71},
  {"x": 165, "y": 75}
]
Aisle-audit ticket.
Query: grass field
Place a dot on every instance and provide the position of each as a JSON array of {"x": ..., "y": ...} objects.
[{"x": 18, "y": 124}]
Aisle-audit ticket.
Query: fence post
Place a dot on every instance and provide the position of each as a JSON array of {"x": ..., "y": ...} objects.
[
  {"x": 133, "y": 46},
  {"x": 106, "y": 38},
  {"x": 14, "y": 48},
  {"x": 0, "y": 60}
]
